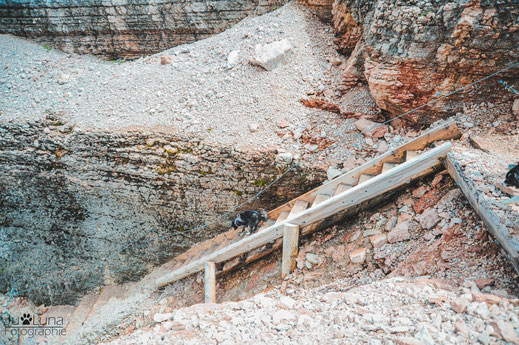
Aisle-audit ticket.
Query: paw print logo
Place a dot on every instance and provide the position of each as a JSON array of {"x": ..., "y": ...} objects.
[{"x": 26, "y": 319}]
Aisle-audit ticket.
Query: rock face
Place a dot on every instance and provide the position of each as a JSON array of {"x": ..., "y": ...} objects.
[
  {"x": 124, "y": 29},
  {"x": 321, "y": 8},
  {"x": 411, "y": 52},
  {"x": 81, "y": 209}
]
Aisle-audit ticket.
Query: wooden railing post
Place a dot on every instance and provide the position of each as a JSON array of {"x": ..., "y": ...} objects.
[
  {"x": 290, "y": 249},
  {"x": 210, "y": 282}
]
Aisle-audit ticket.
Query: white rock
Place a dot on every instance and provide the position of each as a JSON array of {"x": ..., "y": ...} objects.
[
  {"x": 288, "y": 301},
  {"x": 282, "y": 315},
  {"x": 273, "y": 55},
  {"x": 159, "y": 317},
  {"x": 233, "y": 58}
]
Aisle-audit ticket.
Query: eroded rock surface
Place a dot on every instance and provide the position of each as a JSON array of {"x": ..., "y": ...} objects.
[
  {"x": 413, "y": 52},
  {"x": 124, "y": 29},
  {"x": 81, "y": 209}
]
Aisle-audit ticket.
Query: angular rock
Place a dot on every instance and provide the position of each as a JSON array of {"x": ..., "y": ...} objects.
[
  {"x": 399, "y": 233},
  {"x": 429, "y": 218},
  {"x": 505, "y": 331},
  {"x": 166, "y": 59},
  {"x": 378, "y": 241},
  {"x": 233, "y": 58},
  {"x": 462, "y": 328},
  {"x": 273, "y": 55},
  {"x": 370, "y": 128},
  {"x": 358, "y": 256},
  {"x": 460, "y": 305},
  {"x": 486, "y": 298},
  {"x": 163, "y": 317}
]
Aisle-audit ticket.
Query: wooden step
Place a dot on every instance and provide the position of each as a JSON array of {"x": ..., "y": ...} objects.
[
  {"x": 408, "y": 155},
  {"x": 299, "y": 207},
  {"x": 282, "y": 216},
  {"x": 320, "y": 198},
  {"x": 347, "y": 199},
  {"x": 266, "y": 224},
  {"x": 363, "y": 178},
  {"x": 342, "y": 187},
  {"x": 388, "y": 166}
]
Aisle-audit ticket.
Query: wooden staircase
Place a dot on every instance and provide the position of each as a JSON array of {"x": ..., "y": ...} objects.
[{"x": 376, "y": 177}]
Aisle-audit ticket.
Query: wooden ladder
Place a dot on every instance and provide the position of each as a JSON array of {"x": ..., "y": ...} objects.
[{"x": 374, "y": 178}]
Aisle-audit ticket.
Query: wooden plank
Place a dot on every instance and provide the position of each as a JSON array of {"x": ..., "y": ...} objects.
[
  {"x": 388, "y": 166},
  {"x": 490, "y": 219},
  {"x": 363, "y": 178},
  {"x": 299, "y": 207},
  {"x": 290, "y": 249},
  {"x": 447, "y": 131},
  {"x": 282, "y": 216},
  {"x": 410, "y": 155},
  {"x": 210, "y": 282},
  {"x": 320, "y": 198},
  {"x": 376, "y": 186},
  {"x": 342, "y": 187}
]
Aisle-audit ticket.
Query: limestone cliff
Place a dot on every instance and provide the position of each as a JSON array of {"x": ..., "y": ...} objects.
[
  {"x": 411, "y": 52},
  {"x": 81, "y": 209},
  {"x": 124, "y": 29}
]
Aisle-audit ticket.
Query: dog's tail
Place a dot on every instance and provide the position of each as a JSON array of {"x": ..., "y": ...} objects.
[{"x": 264, "y": 214}]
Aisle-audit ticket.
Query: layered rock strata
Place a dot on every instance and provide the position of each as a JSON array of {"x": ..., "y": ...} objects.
[
  {"x": 122, "y": 29},
  {"x": 82, "y": 209}
]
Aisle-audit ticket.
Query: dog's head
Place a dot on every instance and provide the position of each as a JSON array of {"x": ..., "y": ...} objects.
[
  {"x": 234, "y": 225},
  {"x": 512, "y": 177}
]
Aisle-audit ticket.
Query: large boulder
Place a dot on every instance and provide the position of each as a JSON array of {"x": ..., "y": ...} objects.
[
  {"x": 273, "y": 55},
  {"x": 412, "y": 52}
]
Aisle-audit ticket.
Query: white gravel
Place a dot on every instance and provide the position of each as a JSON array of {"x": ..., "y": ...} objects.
[
  {"x": 197, "y": 94},
  {"x": 394, "y": 311}
]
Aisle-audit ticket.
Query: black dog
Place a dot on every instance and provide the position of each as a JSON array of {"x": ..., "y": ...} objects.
[
  {"x": 249, "y": 219},
  {"x": 512, "y": 177}
]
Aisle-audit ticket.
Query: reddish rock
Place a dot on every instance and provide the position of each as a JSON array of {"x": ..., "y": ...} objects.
[
  {"x": 378, "y": 240},
  {"x": 371, "y": 129},
  {"x": 404, "y": 217},
  {"x": 406, "y": 78},
  {"x": 321, "y": 104},
  {"x": 350, "y": 237},
  {"x": 487, "y": 298},
  {"x": 482, "y": 282},
  {"x": 336, "y": 254},
  {"x": 460, "y": 305},
  {"x": 166, "y": 59},
  {"x": 426, "y": 201},
  {"x": 419, "y": 192},
  {"x": 358, "y": 256},
  {"x": 399, "y": 233}
]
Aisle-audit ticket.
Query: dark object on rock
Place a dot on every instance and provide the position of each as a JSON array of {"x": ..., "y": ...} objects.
[
  {"x": 249, "y": 219},
  {"x": 512, "y": 177}
]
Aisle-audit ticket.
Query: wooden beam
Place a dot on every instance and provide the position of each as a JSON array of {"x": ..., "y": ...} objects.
[
  {"x": 490, "y": 219},
  {"x": 378, "y": 185},
  {"x": 290, "y": 249},
  {"x": 210, "y": 282},
  {"x": 447, "y": 131}
]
